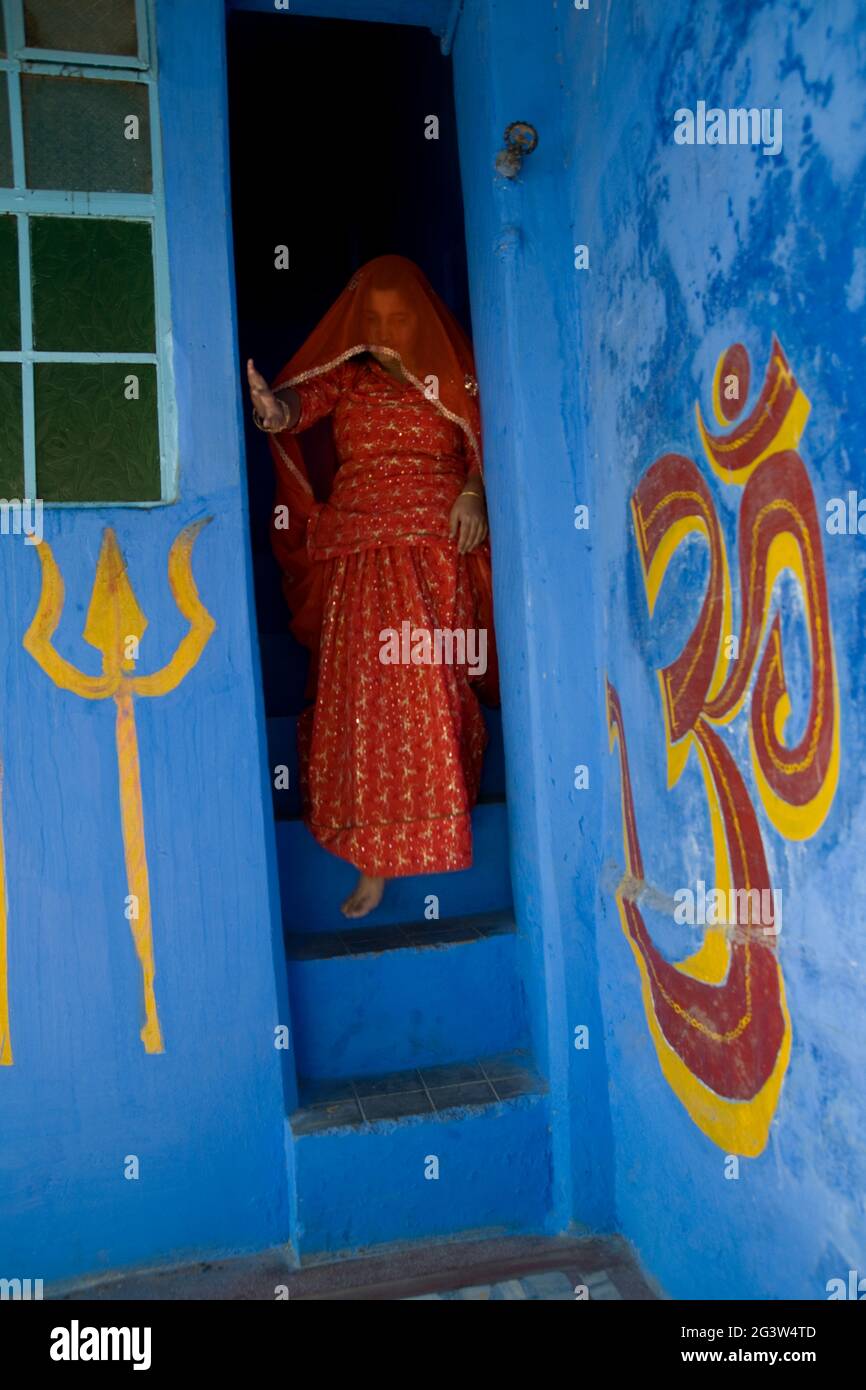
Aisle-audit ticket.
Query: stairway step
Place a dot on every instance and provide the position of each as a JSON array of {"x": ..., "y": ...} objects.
[
  {"x": 361, "y": 1152},
  {"x": 356, "y": 1100},
  {"x": 314, "y": 882},
  {"x": 405, "y": 995},
  {"x": 283, "y": 752},
  {"x": 362, "y": 941}
]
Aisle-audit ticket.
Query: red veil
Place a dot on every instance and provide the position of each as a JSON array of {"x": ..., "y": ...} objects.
[{"x": 305, "y": 463}]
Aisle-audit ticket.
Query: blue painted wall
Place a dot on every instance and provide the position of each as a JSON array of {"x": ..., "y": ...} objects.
[
  {"x": 524, "y": 314},
  {"x": 587, "y": 377},
  {"x": 691, "y": 250},
  {"x": 205, "y": 1118}
]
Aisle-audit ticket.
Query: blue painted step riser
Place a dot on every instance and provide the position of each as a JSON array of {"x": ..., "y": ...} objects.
[
  {"x": 314, "y": 882},
  {"x": 363, "y": 1015},
  {"x": 283, "y": 752},
  {"x": 353, "y": 1188}
]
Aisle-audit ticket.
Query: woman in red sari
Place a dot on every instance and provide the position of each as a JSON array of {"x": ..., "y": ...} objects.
[{"x": 380, "y": 528}]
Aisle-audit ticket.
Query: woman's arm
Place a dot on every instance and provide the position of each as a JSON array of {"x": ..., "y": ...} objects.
[
  {"x": 474, "y": 485},
  {"x": 296, "y": 408},
  {"x": 287, "y": 415},
  {"x": 468, "y": 521},
  {"x": 268, "y": 413}
]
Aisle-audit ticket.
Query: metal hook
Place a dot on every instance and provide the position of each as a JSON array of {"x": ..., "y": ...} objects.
[{"x": 521, "y": 139}]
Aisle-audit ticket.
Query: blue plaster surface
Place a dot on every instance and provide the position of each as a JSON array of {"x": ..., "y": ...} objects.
[
  {"x": 205, "y": 1118},
  {"x": 357, "y": 1187},
  {"x": 523, "y": 320},
  {"x": 394, "y": 1010},
  {"x": 587, "y": 377},
  {"x": 693, "y": 249}
]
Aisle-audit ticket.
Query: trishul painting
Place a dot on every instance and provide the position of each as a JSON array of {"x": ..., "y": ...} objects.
[
  {"x": 115, "y": 625},
  {"x": 719, "y": 1020}
]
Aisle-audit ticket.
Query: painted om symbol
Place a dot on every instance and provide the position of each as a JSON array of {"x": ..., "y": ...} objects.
[{"x": 719, "y": 1020}]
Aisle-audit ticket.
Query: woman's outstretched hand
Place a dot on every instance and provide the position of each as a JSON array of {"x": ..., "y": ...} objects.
[
  {"x": 468, "y": 522},
  {"x": 269, "y": 410}
]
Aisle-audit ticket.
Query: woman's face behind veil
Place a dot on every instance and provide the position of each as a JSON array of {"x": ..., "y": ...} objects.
[{"x": 390, "y": 320}]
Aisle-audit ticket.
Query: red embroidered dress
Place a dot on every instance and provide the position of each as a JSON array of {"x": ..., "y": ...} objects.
[{"x": 391, "y": 753}]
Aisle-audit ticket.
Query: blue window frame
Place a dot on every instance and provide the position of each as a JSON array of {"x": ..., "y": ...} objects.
[{"x": 120, "y": 227}]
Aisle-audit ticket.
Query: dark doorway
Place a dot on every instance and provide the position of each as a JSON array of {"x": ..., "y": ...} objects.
[{"x": 329, "y": 157}]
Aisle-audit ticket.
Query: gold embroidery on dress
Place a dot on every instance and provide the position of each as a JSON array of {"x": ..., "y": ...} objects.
[
  {"x": 369, "y": 347},
  {"x": 291, "y": 466}
]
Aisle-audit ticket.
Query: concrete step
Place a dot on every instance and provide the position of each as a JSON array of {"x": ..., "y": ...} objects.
[
  {"x": 402, "y": 996},
  {"x": 419, "y": 1153},
  {"x": 283, "y": 752},
  {"x": 314, "y": 882}
]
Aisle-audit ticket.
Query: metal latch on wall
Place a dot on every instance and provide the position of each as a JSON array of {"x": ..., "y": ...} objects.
[{"x": 521, "y": 139}]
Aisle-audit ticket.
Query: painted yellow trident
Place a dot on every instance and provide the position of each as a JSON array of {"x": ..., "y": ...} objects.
[{"x": 115, "y": 625}]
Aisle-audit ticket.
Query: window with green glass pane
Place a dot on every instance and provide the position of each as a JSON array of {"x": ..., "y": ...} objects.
[
  {"x": 92, "y": 285},
  {"x": 81, "y": 26},
  {"x": 75, "y": 134},
  {"x": 11, "y": 433},
  {"x": 10, "y": 314},
  {"x": 75, "y": 431},
  {"x": 97, "y": 435}
]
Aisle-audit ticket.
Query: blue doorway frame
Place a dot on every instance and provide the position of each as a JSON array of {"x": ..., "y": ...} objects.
[{"x": 517, "y": 339}]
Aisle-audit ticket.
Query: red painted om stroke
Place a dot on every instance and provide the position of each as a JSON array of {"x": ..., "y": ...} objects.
[{"x": 719, "y": 1020}]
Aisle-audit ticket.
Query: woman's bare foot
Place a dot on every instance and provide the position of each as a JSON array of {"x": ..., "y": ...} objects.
[{"x": 366, "y": 895}]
